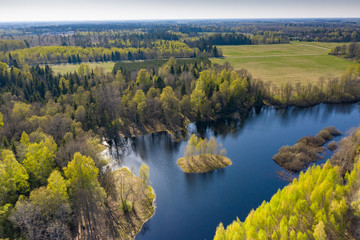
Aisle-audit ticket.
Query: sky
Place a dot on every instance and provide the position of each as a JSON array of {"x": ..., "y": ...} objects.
[{"x": 79, "y": 10}]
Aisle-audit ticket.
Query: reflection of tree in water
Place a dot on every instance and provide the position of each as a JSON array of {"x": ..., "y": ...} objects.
[
  {"x": 323, "y": 111},
  {"x": 144, "y": 145},
  {"x": 224, "y": 126},
  {"x": 339, "y": 108},
  {"x": 119, "y": 147},
  {"x": 148, "y": 145},
  {"x": 196, "y": 181}
]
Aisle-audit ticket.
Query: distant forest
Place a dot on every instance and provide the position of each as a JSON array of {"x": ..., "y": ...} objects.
[
  {"x": 115, "y": 41},
  {"x": 106, "y": 34}
]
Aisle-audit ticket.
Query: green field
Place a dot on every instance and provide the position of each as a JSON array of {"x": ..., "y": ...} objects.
[
  {"x": 128, "y": 65},
  {"x": 280, "y": 63},
  {"x": 64, "y": 68}
]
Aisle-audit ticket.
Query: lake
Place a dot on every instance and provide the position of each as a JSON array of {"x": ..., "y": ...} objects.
[{"x": 190, "y": 206}]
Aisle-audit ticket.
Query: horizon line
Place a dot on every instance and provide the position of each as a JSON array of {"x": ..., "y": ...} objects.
[{"x": 173, "y": 19}]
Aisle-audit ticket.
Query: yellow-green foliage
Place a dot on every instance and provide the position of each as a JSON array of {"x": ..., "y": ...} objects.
[
  {"x": 39, "y": 161},
  {"x": 144, "y": 173},
  {"x": 125, "y": 206},
  {"x": 60, "y": 54},
  {"x": 57, "y": 185},
  {"x": 226, "y": 88},
  {"x": 354, "y": 188},
  {"x": 309, "y": 208},
  {"x": 13, "y": 178},
  {"x": 198, "y": 146},
  {"x": 6, "y": 45},
  {"x": 82, "y": 174}
]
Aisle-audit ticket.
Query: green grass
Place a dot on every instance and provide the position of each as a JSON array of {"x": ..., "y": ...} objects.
[
  {"x": 127, "y": 65},
  {"x": 280, "y": 63},
  {"x": 328, "y": 45},
  {"x": 65, "y": 68}
]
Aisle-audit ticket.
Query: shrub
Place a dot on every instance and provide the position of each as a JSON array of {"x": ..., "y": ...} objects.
[{"x": 126, "y": 206}]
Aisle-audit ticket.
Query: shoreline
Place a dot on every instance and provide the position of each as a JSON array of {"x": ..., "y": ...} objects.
[
  {"x": 142, "y": 225},
  {"x": 148, "y": 129},
  {"x": 137, "y": 230}
]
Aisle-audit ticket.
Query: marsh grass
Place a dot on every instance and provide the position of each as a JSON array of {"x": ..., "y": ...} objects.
[{"x": 305, "y": 151}]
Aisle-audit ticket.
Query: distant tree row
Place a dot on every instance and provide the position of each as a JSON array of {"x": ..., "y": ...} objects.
[
  {"x": 206, "y": 43},
  {"x": 53, "y": 54},
  {"x": 345, "y": 88},
  {"x": 320, "y": 30},
  {"x": 142, "y": 34},
  {"x": 9, "y": 45},
  {"x": 351, "y": 51}
]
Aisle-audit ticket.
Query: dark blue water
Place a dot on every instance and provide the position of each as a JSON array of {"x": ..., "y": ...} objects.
[{"x": 191, "y": 206}]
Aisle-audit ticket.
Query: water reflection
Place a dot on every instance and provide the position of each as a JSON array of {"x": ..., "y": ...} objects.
[
  {"x": 141, "y": 149},
  {"x": 197, "y": 181},
  {"x": 224, "y": 126},
  {"x": 143, "y": 145}
]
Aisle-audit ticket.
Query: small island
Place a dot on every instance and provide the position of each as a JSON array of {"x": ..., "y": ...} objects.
[
  {"x": 134, "y": 203},
  {"x": 203, "y": 156},
  {"x": 307, "y": 150}
]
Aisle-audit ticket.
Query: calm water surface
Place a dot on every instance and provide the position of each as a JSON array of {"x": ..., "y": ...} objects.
[{"x": 191, "y": 206}]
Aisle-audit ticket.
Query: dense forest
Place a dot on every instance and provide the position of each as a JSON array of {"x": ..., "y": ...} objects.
[
  {"x": 68, "y": 54},
  {"x": 169, "y": 93}
]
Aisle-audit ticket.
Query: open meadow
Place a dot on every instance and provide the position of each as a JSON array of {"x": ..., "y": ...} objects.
[
  {"x": 65, "y": 68},
  {"x": 281, "y": 63}
]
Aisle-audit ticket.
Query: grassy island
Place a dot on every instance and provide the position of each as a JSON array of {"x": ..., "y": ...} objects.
[
  {"x": 134, "y": 204},
  {"x": 203, "y": 156},
  {"x": 203, "y": 163}
]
